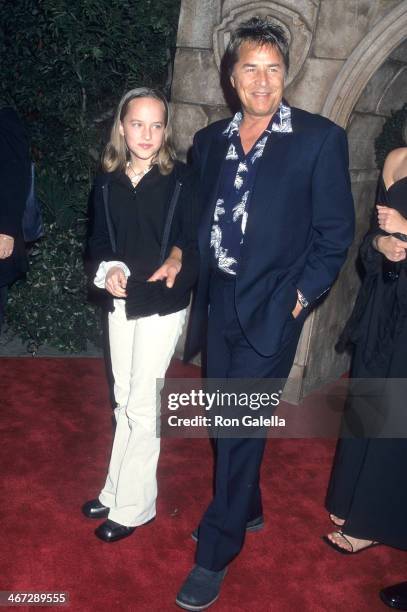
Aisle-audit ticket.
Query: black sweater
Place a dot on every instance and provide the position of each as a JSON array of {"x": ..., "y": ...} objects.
[{"x": 137, "y": 220}]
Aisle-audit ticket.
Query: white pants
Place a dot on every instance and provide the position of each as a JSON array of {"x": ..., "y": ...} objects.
[{"x": 141, "y": 350}]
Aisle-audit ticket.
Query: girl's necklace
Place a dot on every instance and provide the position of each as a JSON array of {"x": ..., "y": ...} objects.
[{"x": 137, "y": 176}]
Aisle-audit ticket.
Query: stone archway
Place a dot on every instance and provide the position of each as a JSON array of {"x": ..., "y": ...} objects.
[
  {"x": 343, "y": 106},
  {"x": 364, "y": 61},
  {"x": 357, "y": 71}
]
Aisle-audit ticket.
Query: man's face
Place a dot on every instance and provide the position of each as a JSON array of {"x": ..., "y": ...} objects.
[{"x": 258, "y": 78}]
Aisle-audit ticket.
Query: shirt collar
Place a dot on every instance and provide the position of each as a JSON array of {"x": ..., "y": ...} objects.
[{"x": 280, "y": 122}]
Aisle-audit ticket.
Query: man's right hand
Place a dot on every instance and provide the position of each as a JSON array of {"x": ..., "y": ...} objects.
[
  {"x": 392, "y": 248},
  {"x": 116, "y": 282}
]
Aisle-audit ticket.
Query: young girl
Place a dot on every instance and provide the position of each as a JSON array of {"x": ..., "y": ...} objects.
[{"x": 143, "y": 238}]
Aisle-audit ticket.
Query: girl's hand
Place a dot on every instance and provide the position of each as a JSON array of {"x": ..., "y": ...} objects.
[
  {"x": 6, "y": 246},
  {"x": 392, "y": 248},
  {"x": 390, "y": 220},
  {"x": 116, "y": 282}
]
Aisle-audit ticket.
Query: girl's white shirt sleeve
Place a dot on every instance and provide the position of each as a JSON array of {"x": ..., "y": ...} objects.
[{"x": 104, "y": 268}]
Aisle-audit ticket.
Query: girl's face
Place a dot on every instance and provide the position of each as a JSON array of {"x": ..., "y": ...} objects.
[{"x": 143, "y": 128}]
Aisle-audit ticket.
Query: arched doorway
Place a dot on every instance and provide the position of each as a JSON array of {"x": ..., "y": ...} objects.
[
  {"x": 371, "y": 83},
  {"x": 362, "y": 64}
]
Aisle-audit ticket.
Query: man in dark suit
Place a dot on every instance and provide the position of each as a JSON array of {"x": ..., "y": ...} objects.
[
  {"x": 14, "y": 187},
  {"x": 276, "y": 225}
]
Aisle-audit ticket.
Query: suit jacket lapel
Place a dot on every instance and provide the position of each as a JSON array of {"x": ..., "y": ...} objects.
[
  {"x": 210, "y": 176},
  {"x": 272, "y": 164}
]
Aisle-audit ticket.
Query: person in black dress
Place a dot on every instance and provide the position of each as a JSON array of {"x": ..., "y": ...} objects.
[
  {"x": 144, "y": 240},
  {"x": 367, "y": 493}
]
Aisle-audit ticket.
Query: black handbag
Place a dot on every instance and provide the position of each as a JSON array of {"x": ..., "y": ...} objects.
[{"x": 144, "y": 298}]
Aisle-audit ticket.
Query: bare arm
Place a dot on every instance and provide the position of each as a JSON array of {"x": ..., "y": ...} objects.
[{"x": 395, "y": 168}]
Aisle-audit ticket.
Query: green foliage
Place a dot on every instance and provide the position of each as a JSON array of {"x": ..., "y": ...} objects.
[
  {"x": 392, "y": 135},
  {"x": 65, "y": 66},
  {"x": 51, "y": 304}
]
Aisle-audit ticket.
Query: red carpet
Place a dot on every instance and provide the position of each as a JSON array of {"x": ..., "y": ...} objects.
[{"x": 55, "y": 436}]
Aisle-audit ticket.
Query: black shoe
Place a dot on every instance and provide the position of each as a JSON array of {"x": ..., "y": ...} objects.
[
  {"x": 251, "y": 526},
  {"x": 201, "y": 589},
  {"x": 95, "y": 509},
  {"x": 109, "y": 531},
  {"x": 395, "y": 596}
]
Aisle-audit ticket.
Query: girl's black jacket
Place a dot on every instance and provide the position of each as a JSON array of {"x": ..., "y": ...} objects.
[{"x": 130, "y": 225}]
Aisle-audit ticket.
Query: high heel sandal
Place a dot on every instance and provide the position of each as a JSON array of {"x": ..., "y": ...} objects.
[{"x": 345, "y": 551}]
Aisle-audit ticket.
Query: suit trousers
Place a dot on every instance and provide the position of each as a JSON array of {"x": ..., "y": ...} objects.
[
  {"x": 237, "y": 497},
  {"x": 141, "y": 350}
]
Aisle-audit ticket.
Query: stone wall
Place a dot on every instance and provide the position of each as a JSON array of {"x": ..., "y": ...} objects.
[
  {"x": 325, "y": 36},
  {"x": 386, "y": 91}
]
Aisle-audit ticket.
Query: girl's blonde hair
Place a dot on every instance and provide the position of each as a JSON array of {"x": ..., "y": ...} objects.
[{"x": 116, "y": 154}]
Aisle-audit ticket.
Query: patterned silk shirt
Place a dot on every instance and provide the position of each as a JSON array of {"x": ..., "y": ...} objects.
[{"x": 236, "y": 183}]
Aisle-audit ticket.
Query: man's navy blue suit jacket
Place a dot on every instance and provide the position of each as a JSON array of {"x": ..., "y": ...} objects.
[{"x": 299, "y": 228}]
